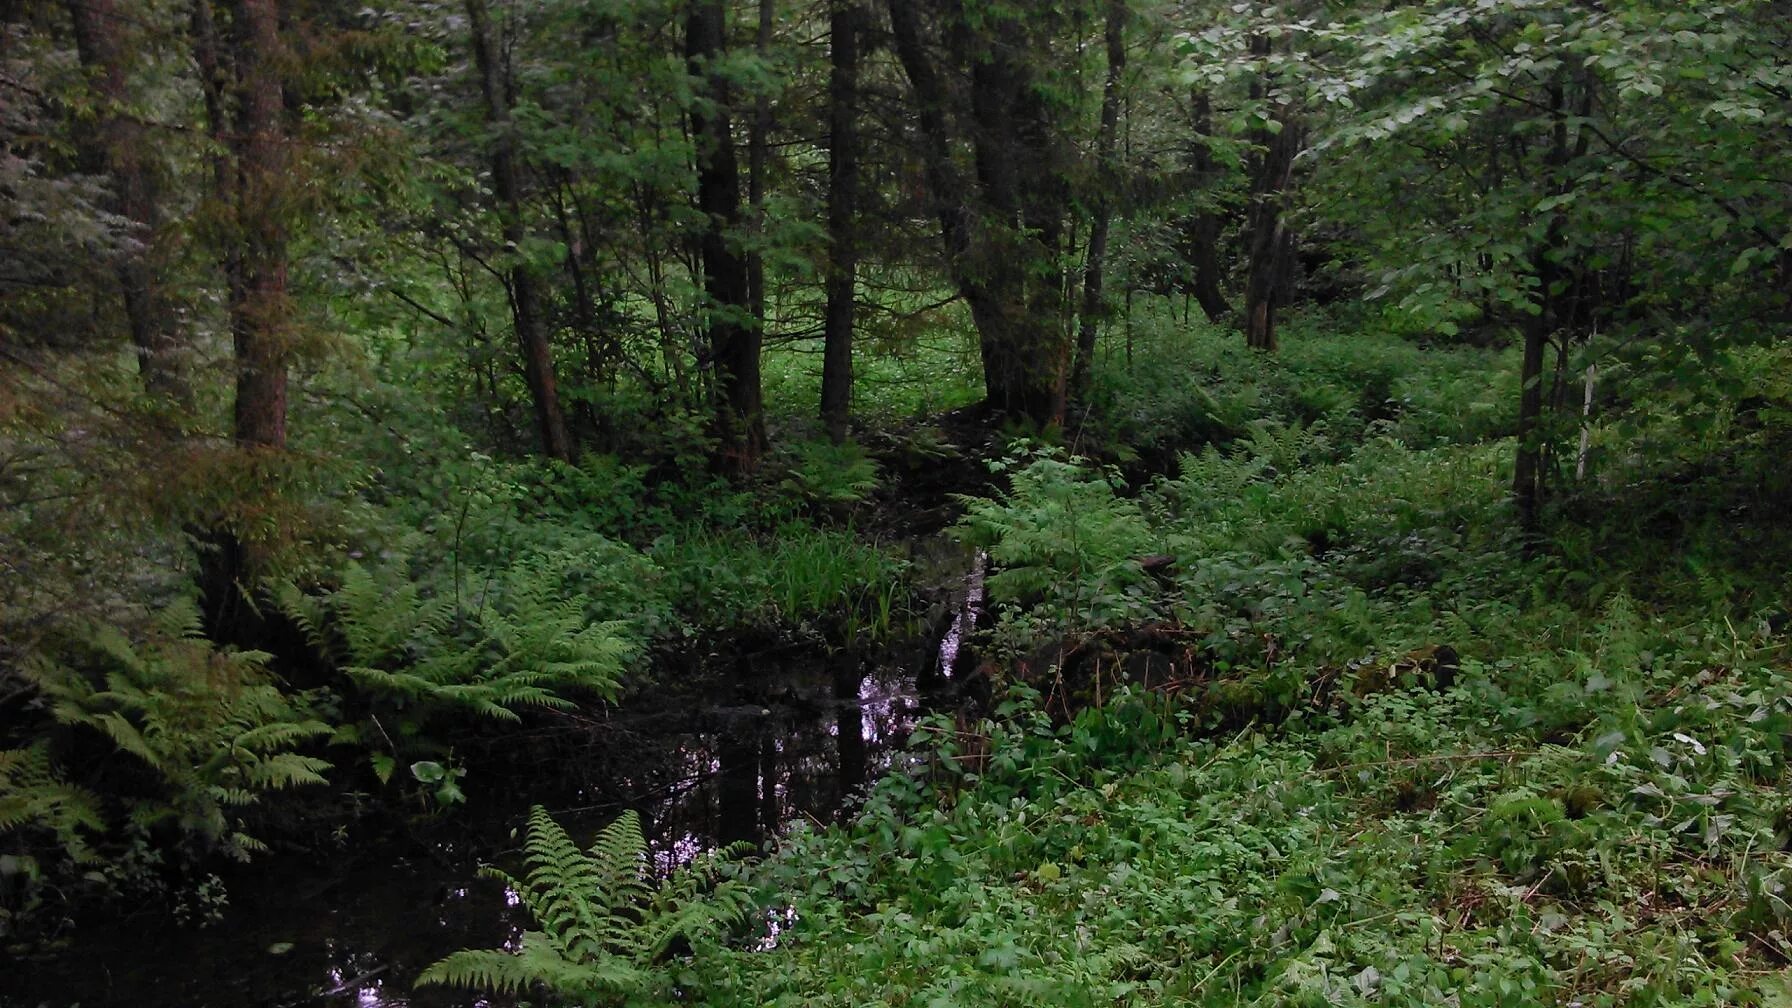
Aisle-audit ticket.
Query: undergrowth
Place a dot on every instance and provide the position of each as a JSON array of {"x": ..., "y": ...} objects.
[{"x": 1589, "y": 809}]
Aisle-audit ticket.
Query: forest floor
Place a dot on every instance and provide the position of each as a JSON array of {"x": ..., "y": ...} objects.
[
  {"x": 1281, "y": 708},
  {"x": 1395, "y": 752}
]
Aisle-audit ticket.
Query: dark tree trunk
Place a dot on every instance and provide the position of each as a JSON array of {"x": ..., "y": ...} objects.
[
  {"x": 1204, "y": 231},
  {"x": 733, "y": 335},
  {"x": 1107, "y": 180},
  {"x": 259, "y": 312},
  {"x": 525, "y": 298},
  {"x": 116, "y": 148},
  {"x": 758, "y": 139},
  {"x": 1272, "y": 245},
  {"x": 1003, "y": 232},
  {"x": 846, "y": 26},
  {"x": 1528, "y": 484},
  {"x": 251, "y": 173}
]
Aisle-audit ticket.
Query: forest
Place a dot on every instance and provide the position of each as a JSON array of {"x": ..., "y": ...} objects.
[{"x": 895, "y": 502}]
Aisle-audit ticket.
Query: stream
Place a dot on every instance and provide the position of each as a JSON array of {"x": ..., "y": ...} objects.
[{"x": 717, "y": 756}]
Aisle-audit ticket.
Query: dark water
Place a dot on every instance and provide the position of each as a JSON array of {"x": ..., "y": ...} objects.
[{"x": 730, "y": 754}]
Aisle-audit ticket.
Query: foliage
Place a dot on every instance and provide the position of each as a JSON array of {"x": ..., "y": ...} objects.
[
  {"x": 208, "y": 733},
  {"x": 416, "y": 658},
  {"x": 798, "y": 576},
  {"x": 1061, "y": 538},
  {"x": 827, "y": 474},
  {"x": 1350, "y": 373},
  {"x": 34, "y": 796},
  {"x": 1593, "y": 815},
  {"x": 606, "y": 930}
]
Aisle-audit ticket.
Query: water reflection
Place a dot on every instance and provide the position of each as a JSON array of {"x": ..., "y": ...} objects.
[{"x": 729, "y": 754}]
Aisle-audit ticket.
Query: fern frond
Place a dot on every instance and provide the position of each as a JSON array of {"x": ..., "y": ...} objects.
[
  {"x": 285, "y": 770},
  {"x": 603, "y": 926},
  {"x": 33, "y": 795},
  {"x": 537, "y": 961}
]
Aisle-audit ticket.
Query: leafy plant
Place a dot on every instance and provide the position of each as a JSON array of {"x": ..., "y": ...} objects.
[
  {"x": 831, "y": 475},
  {"x": 210, "y": 731},
  {"x": 605, "y": 928},
  {"x": 423, "y": 653},
  {"x": 1062, "y": 537},
  {"x": 34, "y": 796}
]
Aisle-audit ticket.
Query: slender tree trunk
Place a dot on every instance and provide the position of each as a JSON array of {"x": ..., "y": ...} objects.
[
  {"x": 116, "y": 148},
  {"x": 1271, "y": 242},
  {"x": 734, "y": 336},
  {"x": 1528, "y": 473},
  {"x": 846, "y": 25},
  {"x": 525, "y": 298},
  {"x": 757, "y": 157},
  {"x": 1107, "y": 180},
  {"x": 251, "y": 175},
  {"x": 1204, "y": 233}
]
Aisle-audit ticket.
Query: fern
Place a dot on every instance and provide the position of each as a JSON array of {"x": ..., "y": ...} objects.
[
  {"x": 603, "y": 927},
  {"x": 419, "y": 652},
  {"x": 211, "y": 727},
  {"x": 1062, "y": 539},
  {"x": 33, "y": 795},
  {"x": 828, "y": 474}
]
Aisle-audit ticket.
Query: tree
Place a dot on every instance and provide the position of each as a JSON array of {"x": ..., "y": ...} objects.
[
  {"x": 1589, "y": 180},
  {"x": 116, "y": 149},
  {"x": 1107, "y": 182},
  {"x": 256, "y": 263},
  {"x": 733, "y": 335},
  {"x": 523, "y": 285},
  {"x": 990, "y": 79},
  {"x": 847, "y": 24},
  {"x": 1201, "y": 239},
  {"x": 1271, "y": 251}
]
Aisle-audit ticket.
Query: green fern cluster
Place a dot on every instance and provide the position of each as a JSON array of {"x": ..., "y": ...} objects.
[
  {"x": 211, "y": 728},
  {"x": 34, "y": 795},
  {"x": 831, "y": 475},
  {"x": 1062, "y": 537},
  {"x": 604, "y": 928},
  {"x": 406, "y": 647}
]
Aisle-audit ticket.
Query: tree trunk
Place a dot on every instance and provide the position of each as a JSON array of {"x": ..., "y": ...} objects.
[
  {"x": 734, "y": 336},
  {"x": 846, "y": 25},
  {"x": 116, "y": 148},
  {"x": 1528, "y": 472},
  {"x": 1107, "y": 180},
  {"x": 1002, "y": 233},
  {"x": 1271, "y": 242},
  {"x": 259, "y": 311},
  {"x": 251, "y": 172},
  {"x": 525, "y": 299},
  {"x": 1204, "y": 232},
  {"x": 757, "y": 158}
]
